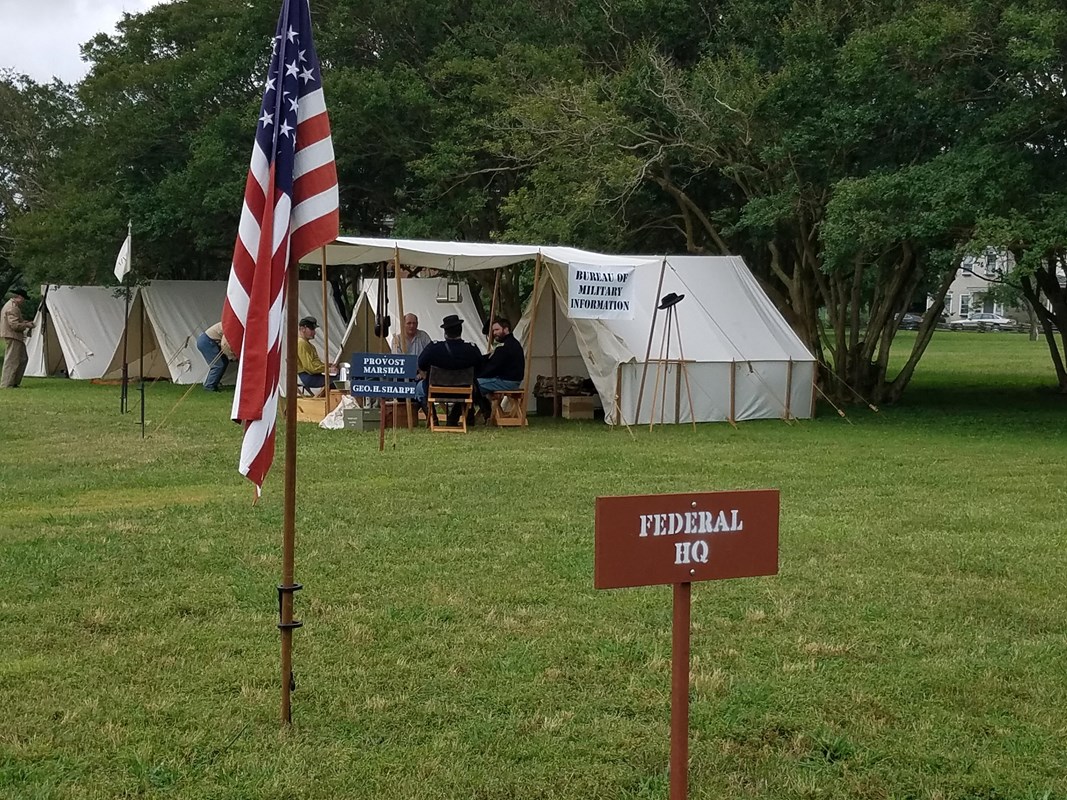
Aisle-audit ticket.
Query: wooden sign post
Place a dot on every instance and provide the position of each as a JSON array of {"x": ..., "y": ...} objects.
[{"x": 648, "y": 540}]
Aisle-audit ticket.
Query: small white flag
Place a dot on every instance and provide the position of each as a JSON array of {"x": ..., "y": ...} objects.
[{"x": 122, "y": 263}]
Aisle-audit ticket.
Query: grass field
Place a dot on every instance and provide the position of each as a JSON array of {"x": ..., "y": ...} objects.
[{"x": 913, "y": 646}]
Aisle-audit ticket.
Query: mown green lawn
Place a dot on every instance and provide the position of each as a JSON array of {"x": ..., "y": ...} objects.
[{"x": 913, "y": 646}]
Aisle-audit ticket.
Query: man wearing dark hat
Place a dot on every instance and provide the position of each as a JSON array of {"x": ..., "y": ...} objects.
[
  {"x": 309, "y": 367},
  {"x": 13, "y": 331},
  {"x": 452, "y": 353}
]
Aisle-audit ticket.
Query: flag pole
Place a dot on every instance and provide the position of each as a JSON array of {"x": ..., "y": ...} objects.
[
  {"x": 141, "y": 369},
  {"x": 124, "y": 399},
  {"x": 285, "y": 591},
  {"x": 325, "y": 335}
]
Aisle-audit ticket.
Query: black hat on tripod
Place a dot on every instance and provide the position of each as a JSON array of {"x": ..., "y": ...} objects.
[{"x": 669, "y": 300}]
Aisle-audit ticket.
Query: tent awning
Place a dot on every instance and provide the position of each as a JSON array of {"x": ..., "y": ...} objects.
[{"x": 458, "y": 256}]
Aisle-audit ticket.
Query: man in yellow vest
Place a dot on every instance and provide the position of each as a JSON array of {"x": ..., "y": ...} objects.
[{"x": 309, "y": 367}]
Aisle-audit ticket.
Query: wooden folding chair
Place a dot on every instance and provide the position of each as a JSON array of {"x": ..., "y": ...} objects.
[{"x": 449, "y": 387}]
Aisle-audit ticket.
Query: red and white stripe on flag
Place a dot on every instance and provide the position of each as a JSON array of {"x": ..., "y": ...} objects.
[{"x": 290, "y": 208}]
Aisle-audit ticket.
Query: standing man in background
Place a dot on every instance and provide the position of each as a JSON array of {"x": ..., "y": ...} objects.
[
  {"x": 217, "y": 353},
  {"x": 13, "y": 330}
]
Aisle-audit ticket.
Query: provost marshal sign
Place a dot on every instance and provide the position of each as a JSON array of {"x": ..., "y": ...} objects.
[
  {"x": 383, "y": 375},
  {"x": 645, "y": 540}
]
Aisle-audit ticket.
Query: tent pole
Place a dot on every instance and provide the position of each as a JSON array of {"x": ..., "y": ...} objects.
[
  {"x": 287, "y": 587},
  {"x": 383, "y": 346},
  {"x": 533, "y": 323},
  {"x": 733, "y": 394},
  {"x": 814, "y": 386},
  {"x": 557, "y": 401},
  {"x": 44, "y": 328},
  {"x": 403, "y": 334},
  {"x": 648, "y": 350},
  {"x": 492, "y": 311},
  {"x": 325, "y": 336},
  {"x": 618, "y": 393},
  {"x": 788, "y": 390}
]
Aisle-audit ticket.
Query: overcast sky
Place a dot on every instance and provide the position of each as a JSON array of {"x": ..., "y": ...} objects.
[{"x": 41, "y": 38}]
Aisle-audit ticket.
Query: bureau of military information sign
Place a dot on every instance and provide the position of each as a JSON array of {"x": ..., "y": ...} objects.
[{"x": 646, "y": 540}]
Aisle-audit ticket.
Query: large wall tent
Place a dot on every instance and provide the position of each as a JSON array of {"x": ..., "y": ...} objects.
[
  {"x": 420, "y": 299},
  {"x": 77, "y": 331},
  {"x": 81, "y": 334},
  {"x": 175, "y": 314},
  {"x": 743, "y": 360}
]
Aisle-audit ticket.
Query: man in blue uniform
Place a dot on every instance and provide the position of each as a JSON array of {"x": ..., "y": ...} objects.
[{"x": 452, "y": 353}]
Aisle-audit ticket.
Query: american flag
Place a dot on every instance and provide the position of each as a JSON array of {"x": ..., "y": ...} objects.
[{"x": 290, "y": 209}]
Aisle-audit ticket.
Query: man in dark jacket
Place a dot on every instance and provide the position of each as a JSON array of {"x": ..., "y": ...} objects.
[
  {"x": 452, "y": 353},
  {"x": 503, "y": 369}
]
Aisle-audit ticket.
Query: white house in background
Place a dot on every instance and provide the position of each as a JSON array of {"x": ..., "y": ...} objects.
[{"x": 973, "y": 279}]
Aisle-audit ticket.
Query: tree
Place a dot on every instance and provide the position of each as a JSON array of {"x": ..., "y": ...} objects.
[
  {"x": 846, "y": 149},
  {"x": 36, "y": 120}
]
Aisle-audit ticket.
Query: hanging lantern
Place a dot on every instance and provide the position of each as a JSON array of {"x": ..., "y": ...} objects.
[{"x": 449, "y": 289}]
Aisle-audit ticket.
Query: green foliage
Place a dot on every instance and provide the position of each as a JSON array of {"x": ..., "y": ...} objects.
[{"x": 845, "y": 148}]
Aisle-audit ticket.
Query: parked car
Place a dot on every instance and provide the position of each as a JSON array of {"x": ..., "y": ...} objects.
[
  {"x": 912, "y": 320},
  {"x": 983, "y": 321}
]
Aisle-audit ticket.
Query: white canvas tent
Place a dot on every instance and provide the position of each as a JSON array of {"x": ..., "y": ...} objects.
[
  {"x": 420, "y": 299},
  {"x": 177, "y": 312},
  {"x": 77, "y": 331},
  {"x": 743, "y": 361}
]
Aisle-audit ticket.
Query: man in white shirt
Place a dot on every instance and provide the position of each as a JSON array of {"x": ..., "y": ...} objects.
[{"x": 416, "y": 339}]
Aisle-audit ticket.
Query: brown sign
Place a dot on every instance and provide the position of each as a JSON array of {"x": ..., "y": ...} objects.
[{"x": 644, "y": 540}]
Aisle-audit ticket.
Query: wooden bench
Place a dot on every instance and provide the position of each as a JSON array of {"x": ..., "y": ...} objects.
[{"x": 515, "y": 416}]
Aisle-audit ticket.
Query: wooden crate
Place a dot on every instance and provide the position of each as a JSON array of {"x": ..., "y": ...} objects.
[
  {"x": 313, "y": 409},
  {"x": 578, "y": 407}
]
